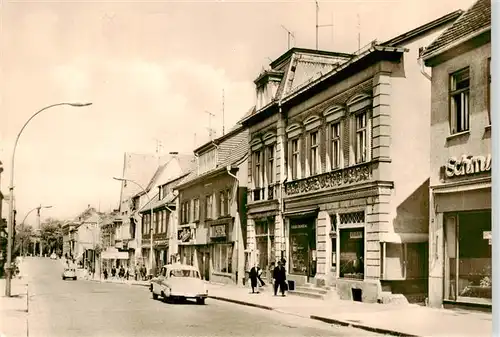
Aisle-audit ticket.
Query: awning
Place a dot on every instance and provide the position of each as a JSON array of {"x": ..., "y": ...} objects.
[
  {"x": 301, "y": 212},
  {"x": 114, "y": 254},
  {"x": 404, "y": 237}
]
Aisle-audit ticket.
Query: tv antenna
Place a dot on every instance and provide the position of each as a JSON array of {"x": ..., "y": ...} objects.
[
  {"x": 223, "y": 112},
  {"x": 289, "y": 34},
  {"x": 318, "y": 26},
  {"x": 210, "y": 130},
  {"x": 359, "y": 32},
  {"x": 159, "y": 146}
]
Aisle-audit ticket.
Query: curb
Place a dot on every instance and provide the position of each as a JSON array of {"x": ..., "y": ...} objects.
[
  {"x": 131, "y": 284},
  {"x": 362, "y": 326},
  {"x": 260, "y": 306}
]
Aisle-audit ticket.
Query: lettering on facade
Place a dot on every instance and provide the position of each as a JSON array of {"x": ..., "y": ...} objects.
[
  {"x": 346, "y": 176},
  {"x": 356, "y": 235},
  {"x": 185, "y": 234},
  {"x": 218, "y": 231},
  {"x": 298, "y": 226},
  {"x": 467, "y": 165},
  {"x": 161, "y": 242}
]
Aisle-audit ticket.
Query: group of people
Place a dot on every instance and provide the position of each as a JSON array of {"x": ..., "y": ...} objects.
[
  {"x": 279, "y": 278},
  {"x": 123, "y": 273}
]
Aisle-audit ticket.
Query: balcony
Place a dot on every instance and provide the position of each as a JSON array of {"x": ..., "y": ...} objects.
[
  {"x": 269, "y": 192},
  {"x": 337, "y": 178}
]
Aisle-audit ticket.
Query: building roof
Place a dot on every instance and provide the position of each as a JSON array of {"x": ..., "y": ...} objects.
[
  {"x": 423, "y": 29},
  {"x": 187, "y": 163},
  {"x": 139, "y": 168},
  {"x": 476, "y": 18}
]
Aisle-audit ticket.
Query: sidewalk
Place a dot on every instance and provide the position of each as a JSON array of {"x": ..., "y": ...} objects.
[
  {"x": 407, "y": 320},
  {"x": 14, "y": 310},
  {"x": 116, "y": 280}
]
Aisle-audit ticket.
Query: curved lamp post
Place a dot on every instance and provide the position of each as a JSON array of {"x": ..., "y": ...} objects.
[
  {"x": 10, "y": 224},
  {"x": 150, "y": 221},
  {"x": 38, "y": 213}
]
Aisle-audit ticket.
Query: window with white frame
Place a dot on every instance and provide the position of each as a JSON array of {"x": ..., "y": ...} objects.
[
  {"x": 257, "y": 168},
  {"x": 361, "y": 137},
  {"x": 459, "y": 101},
  {"x": 223, "y": 258},
  {"x": 196, "y": 207},
  {"x": 314, "y": 153},
  {"x": 336, "y": 148},
  {"x": 270, "y": 164},
  {"x": 209, "y": 206},
  {"x": 295, "y": 158}
]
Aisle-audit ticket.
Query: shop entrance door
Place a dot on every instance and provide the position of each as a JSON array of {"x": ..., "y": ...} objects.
[{"x": 311, "y": 272}]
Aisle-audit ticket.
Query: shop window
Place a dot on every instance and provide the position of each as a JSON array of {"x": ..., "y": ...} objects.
[
  {"x": 223, "y": 258},
  {"x": 303, "y": 248},
  {"x": 459, "y": 101},
  {"x": 352, "y": 251},
  {"x": 468, "y": 236}
]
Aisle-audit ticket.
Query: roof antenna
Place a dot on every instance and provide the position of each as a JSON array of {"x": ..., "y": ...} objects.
[
  {"x": 223, "y": 133},
  {"x": 290, "y": 35},
  {"x": 359, "y": 32},
  {"x": 210, "y": 130},
  {"x": 318, "y": 26}
]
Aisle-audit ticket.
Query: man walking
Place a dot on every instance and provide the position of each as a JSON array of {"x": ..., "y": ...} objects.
[{"x": 279, "y": 275}]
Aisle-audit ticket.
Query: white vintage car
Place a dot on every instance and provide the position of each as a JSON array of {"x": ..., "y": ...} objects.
[
  {"x": 179, "y": 281},
  {"x": 69, "y": 272}
]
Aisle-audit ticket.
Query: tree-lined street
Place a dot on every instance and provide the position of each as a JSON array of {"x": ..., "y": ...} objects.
[{"x": 86, "y": 308}]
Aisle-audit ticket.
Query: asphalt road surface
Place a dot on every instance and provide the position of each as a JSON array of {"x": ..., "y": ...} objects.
[{"x": 86, "y": 308}]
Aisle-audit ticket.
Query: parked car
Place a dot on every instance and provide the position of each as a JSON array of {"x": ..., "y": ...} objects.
[
  {"x": 53, "y": 256},
  {"x": 179, "y": 281},
  {"x": 69, "y": 272}
]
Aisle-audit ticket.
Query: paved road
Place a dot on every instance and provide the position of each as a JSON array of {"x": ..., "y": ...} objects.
[{"x": 85, "y": 308}]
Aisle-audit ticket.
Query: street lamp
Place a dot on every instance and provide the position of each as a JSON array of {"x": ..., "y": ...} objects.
[
  {"x": 10, "y": 224},
  {"x": 38, "y": 222},
  {"x": 150, "y": 221}
]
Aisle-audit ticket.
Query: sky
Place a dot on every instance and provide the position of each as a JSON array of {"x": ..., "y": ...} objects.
[{"x": 152, "y": 71}]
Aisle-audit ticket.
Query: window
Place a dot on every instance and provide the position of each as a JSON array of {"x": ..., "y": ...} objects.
[
  {"x": 489, "y": 91},
  {"x": 295, "y": 158},
  {"x": 223, "y": 256},
  {"x": 156, "y": 221},
  {"x": 335, "y": 145},
  {"x": 314, "y": 153},
  {"x": 209, "y": 207},
  {"x": 224, "y": 198},
  {"x": 185, "y": 212},
  {"x": 270, "y": 164},
  {"x": 352, "y": 251},
  {"x": 162, "y": 221},
  {"x": 459, "y": 101},
  {"x": 196, "y": 207},
  {"x": 257, "y": 174},
  {"x": 167, "y": 218},
  {"x": 361, "y": 144},
  {"x": 184, "y": 273},
  {"x": 206, "y": 161}
]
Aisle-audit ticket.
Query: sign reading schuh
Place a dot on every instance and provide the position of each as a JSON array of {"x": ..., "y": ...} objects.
[
  {"x": 467, "y": 165},
  {"x": 218, "y": 231}
]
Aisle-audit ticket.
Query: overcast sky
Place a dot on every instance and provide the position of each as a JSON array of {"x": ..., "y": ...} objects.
[{"x": 151, "y": 70}]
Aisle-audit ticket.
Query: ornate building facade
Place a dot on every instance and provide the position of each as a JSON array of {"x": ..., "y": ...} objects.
[{"x": 353, "y": 173}]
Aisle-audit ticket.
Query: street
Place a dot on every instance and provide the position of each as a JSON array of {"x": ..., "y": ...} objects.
[{"x": 87, "y": 308}]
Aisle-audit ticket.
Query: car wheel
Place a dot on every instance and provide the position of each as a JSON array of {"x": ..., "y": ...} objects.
[
  {"x": 64, "y": 278},
  {"x": 155, "y": 296},
  {"x": 200, "y": 301},
  {"x": 165, "y": 298},
  {"x": 74, "y": 278}
]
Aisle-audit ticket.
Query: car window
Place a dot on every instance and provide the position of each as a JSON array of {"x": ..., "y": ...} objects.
[{"x": 184, "y": 273}]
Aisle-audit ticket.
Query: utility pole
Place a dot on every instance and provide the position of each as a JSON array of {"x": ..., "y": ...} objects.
[{"x": 289, "y": 34}]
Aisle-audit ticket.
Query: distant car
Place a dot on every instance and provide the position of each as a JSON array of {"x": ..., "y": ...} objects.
[
  {"x": 53, "y": 256},
  {"x": 69, "y": 272},
  {"x": 179, "y": 281}
]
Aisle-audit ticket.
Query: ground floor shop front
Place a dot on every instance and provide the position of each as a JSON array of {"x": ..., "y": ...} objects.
[
  {"x": 460, "y": 245},
  {"x": 348, "y": 241}
]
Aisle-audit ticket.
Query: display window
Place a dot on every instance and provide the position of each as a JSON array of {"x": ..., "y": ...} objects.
[{"x": 352, "y": 251}]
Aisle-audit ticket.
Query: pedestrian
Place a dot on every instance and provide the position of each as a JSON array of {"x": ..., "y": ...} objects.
[
  {"x": 259, "y": 276},
  {"x": 279, "y": 275},
  {"x": 253, "y": 278},
  {"x": 106, "y": 274},
  {"x": 113, "y": 272}
]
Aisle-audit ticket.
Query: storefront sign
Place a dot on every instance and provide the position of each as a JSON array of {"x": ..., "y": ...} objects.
[
  {"x": 467, "y": 165},
  {"x": 161, "y": 242},
  {"x": 185, "y": 234},
  {"x": 298, "y": 226},
  {"x": 218, "y": 231},
  {"x": 356, "y": 235}
]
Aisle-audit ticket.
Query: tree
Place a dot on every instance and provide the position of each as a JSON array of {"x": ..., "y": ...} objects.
[
  {"x": 51, "y": 234},
  {"x": 24, "y": 233}
]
